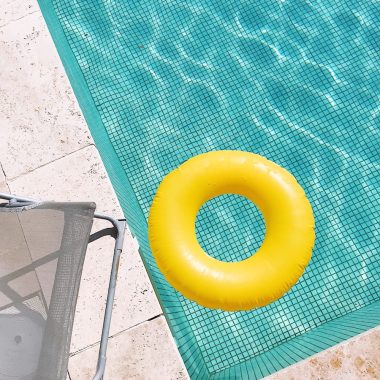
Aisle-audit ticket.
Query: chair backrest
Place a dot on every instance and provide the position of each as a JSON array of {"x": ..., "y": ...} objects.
[{"x": 42, "y": 250}]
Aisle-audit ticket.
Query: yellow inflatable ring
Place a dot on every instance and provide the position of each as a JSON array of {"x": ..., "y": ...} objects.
[{"x": 256, "y": 281}]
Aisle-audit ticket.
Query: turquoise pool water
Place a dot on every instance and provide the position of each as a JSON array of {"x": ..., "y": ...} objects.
[{"x": 295, "y": 81}]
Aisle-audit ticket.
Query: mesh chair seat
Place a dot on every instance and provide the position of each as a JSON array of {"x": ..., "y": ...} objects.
[{"x": 42, "y": 251}]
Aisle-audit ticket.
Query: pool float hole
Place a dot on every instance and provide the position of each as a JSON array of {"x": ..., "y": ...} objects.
[{"x": 230, "y": 228}]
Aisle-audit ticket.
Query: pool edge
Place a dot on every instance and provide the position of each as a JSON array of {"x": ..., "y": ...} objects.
[{"x": 128, "y": 201}]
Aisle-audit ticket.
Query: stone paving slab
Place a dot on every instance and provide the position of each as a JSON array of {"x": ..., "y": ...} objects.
[
  {"x": 354, "y": 359},
  {"x": 39, "y": 116},
  {"x": 143, "y": 352}
]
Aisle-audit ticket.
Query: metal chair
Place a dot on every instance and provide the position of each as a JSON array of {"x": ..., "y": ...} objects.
[{"x": 42, "y": 251}]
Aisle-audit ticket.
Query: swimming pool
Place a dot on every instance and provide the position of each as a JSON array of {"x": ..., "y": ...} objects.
[{"x": 297, "y": 82}]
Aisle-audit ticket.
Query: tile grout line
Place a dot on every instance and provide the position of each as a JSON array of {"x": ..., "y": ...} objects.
[
  {"x": 115, "y": 335},
  {"x": 50, "y": 162}
]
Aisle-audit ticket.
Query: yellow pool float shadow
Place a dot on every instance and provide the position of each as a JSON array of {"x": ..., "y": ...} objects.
[{"x": 232, "y": 286}]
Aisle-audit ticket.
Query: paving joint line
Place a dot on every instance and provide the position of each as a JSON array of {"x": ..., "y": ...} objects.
[
  {"x": 20, "y": 18},
  {"x": 115, "y": 335},
  {"x": 50, "y": 162}
]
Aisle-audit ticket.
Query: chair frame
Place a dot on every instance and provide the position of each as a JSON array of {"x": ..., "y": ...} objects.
[{"x": 117, "y": 232}]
